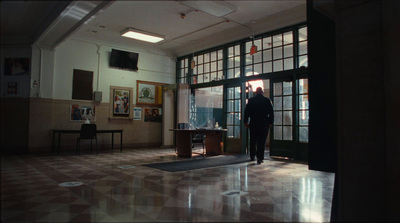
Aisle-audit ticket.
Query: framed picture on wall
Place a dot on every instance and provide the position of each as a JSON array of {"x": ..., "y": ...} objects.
[
  {"x": 149, "y": 93},
  {"x": 121, "y": 102},
  {"x": 82, "y": 112},
  {"x": 146, "y": 93}
]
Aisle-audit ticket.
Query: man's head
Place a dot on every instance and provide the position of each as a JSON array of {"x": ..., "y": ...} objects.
[{"x": 259, "y": 90}]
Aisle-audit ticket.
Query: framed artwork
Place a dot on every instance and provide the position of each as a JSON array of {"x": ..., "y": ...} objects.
[
  {"x": 153, "y": 115},
  {"x": 121, "y": 102},
  {"x": 16, "y": 66},
  {"x": 82, "y": 112},
  {"x": 149, "y": 93}
]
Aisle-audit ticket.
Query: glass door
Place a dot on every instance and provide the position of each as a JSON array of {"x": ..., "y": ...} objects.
[
  {"x": 233, "y": 123},
  {"x": 282, "y": 134}
]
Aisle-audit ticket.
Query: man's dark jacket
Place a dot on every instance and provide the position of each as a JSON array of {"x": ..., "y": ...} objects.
[{"x": 260, "y": 111}]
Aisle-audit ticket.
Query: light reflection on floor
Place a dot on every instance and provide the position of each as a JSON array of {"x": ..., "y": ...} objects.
[{"x": 117, "y": 188}]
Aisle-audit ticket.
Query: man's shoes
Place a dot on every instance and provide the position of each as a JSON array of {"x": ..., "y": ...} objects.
[{"x": 259, "y": 161}]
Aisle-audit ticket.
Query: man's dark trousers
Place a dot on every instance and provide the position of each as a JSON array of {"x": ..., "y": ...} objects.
[{"x": 258, "y": 138}]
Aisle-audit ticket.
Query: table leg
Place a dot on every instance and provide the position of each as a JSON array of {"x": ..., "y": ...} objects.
[
  {"x": 112, "y": 141},
  {"x": 120, "y": 142},
  {"x": 59, "y": 143},
  {"x": 52, "y": 143}
]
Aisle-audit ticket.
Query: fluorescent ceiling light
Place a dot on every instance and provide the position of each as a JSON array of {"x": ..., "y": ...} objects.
[
  {"x": 142, "y": 35},
  {"x": 215, "y": 8}
]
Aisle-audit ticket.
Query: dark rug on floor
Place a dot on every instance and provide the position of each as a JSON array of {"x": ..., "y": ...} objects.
[{"x": 200, "y": 163}]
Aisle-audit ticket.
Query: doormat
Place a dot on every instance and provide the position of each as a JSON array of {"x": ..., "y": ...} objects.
[{"x": 200, "y": 163}]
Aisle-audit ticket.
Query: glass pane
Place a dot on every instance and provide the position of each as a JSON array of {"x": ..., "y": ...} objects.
[
  {"x": 287, "y": 118},
  {"x": 257, "y": 43},
  {"x": 303, "y": 61},
  {"x": 287, "y": 88},
  {"x": 230, "y": 105},
  {"x": 237, "y": 132},
  {"x": 231, "y": 74},
  {"x": 278, "y": 65},
  {"x": 230, "y": 51},
  {"x": 303, "y": 86},
  {"x": 289, "y": 63},
  {"x": 237, "y": 119},
  {"x": 200, "y": 59},
  {"x": 206, "y": 57},
  {"x": 229, "y": 132},
  {"x": 277, "y": 40},
  {"x": 213, "y": 56},
  {"x": 229, "y": 118},
  {"x": 267, "y": 42},
  {"x": 278, "y": 132},
  {"x": 237, "y": 50},
  {"x": 288, "y": 50},
  {"x": 213, "y": 66},
  {"x": 231, "y": 93},
  {"x": 277, "y": 103},
  {"x": 249, "y": 59},
  {"x": 220, "y": 75},
  {"x": 303, "y": 117},
  {"x": 206, "y": 68},
  {"x": 257, "y": 69},
  {"x": 287, "y": 103},
  {"x": 303, "y": 34},
  {"x": 249, "y": 70},
  {"x": 231, "y": 63},
  {"x": 237, "y": 72},
  {"x": 303, "y": 101},
  {"x": 257, "y": 57},
  {"x": 303, "y": 134},
  {"x": 267, "y": 67},
  {"x": 237, "y": 61},
  {"x": 277, "y": 53},
  {"x": 288, "y": 37},
  {"x": 200, "y": 69},
  {"x": 287, "y": 133},
  {"x": 267, "y": 55},
  {"x": 278, "y": 118},
  {"x": 248, "y": 46},
  {"x": 237, "y": 92},
  {"x": 220, "y": 65},
  {"x": 213, "y": 76},
  {"x": 277, "y": 89},
  {"x": 303, "y": 48},
  {"x": 200, "y": 79}
]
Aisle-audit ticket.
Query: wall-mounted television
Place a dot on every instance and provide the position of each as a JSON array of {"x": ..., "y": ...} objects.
[{"x": 124, "y": 60}]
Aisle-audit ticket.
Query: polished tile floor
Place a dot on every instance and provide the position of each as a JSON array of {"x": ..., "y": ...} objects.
[{"x": 116, "y": 187}]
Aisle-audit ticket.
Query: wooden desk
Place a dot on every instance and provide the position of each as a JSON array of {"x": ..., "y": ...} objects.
[
  {"x": 64, "y": 131},
  {"x": 184, "y": 140}
]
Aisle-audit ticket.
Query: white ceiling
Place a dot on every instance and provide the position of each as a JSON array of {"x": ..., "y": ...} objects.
[{"x": 48, "y": 23}]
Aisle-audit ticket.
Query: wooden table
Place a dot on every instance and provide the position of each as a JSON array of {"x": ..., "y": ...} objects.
[
  {"x": 184, "y": 141},
  {"x": 67, "y": 131}
]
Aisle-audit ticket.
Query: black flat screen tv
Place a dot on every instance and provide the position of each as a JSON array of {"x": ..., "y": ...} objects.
[{"x": 124, "y": 60}]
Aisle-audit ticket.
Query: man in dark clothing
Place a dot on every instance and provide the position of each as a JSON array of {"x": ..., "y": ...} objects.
[{"x": 261, "y": 113}]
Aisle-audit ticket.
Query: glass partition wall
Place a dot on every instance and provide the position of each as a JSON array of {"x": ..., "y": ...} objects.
[{"x": 223, "y": 78}]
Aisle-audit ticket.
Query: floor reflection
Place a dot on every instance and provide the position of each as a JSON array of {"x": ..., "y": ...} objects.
[{"x": 273, "y": 191}]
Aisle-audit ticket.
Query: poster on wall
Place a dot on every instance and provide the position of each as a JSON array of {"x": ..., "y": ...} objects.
[
  {"x": 121, "y": 102},
  {"x": 16, "y": 66},
  {"x": 137, "y": 113},
  {"x": 152, "y": 114},
  {"x": 82, "y": 113}
]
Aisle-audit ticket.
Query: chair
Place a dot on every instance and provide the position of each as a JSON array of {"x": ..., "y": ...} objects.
[
  {"x": 198, "y": 138},
  {"x": 88, "y": 131}
]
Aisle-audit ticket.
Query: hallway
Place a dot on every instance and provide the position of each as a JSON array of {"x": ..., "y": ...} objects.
[{"x": 117, "y": 188}]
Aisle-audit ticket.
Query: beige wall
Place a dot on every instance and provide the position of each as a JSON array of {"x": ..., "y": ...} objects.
[{"x": 48, "y": 114}]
